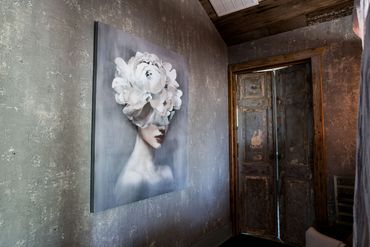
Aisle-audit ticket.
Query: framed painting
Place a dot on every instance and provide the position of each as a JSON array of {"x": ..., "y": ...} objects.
[{"x": 139, "y": 131}]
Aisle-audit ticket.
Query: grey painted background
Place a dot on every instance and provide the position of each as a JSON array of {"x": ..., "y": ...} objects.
[
  {"x": 115, "y": 134},
  {"x": 46, "y": 53},
  {"x": 341, "y": 76}
]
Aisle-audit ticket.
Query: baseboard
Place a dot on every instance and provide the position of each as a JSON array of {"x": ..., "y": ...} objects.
[{"x": 215, "y": 238}]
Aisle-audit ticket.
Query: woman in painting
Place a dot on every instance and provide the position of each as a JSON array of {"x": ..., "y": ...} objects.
[{"x": 148, "y": 91}]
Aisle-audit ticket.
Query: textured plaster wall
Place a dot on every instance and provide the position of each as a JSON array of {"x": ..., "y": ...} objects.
[
  {"x": 46, "y": 53},
  {"x": 341, "y": 71}
]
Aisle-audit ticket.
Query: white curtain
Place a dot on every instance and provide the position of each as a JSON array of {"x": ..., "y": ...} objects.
[{"x": 361, "y": 228}]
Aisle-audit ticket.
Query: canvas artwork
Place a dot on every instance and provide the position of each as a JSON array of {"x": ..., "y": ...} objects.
[{"x": 139, "y": 119}]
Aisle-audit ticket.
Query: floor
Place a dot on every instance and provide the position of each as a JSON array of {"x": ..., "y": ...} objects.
[
  {"x": 340, "y": 232},
  {"x": 247, "y": 240}
]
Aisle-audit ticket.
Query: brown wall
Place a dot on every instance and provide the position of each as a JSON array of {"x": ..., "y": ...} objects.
[{"x": 341, "y": 70}]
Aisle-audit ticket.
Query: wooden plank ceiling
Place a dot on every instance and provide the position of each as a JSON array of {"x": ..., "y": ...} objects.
[{"x": 275, "y": 16}]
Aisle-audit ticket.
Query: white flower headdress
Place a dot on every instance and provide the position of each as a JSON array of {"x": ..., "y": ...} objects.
[{"x": 147, "y": 89}]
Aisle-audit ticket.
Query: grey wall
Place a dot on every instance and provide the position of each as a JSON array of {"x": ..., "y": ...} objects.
[
  {"x": 341, "y": 71},
  {"x": 46, "y": 52}
]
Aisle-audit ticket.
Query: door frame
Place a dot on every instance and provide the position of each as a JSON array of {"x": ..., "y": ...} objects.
[{"x": 320, "y": 164}]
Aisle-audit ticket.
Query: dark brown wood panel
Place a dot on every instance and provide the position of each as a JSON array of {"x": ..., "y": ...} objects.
[
  {"x": 256, "y": 136},
  {"x": 320, "y": 166},
  {"x": 320, "y": 160},
  {"x": 255, "y": 145},
  {"x": 295, "y": 135},
  {"x": 272, "y": 17},
  {"x": 257, "y": 214},
  {"x": 296, "y": 211}
]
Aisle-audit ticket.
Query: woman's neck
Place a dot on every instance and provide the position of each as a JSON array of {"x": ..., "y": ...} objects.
[
  {"x": 142, "y": 156},
  {"x": 140, "y": 167}
]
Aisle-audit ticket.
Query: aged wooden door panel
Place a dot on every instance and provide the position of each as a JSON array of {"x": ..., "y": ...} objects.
[
  {"x": 287, "y": 92},
  {"x": 293, "y": 200},
  {"x": 255, "y": 147},
  {"x": 295, "y": 142}
]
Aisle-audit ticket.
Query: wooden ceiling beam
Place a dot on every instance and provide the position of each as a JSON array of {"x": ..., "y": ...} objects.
[
  {"x": 275, "y": 28},
  {"x": 275, "y": 16},
  {"x": 260, "y": 17}
]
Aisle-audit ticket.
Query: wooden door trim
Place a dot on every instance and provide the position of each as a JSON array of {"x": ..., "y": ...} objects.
[{"x": 320, "y": 164}]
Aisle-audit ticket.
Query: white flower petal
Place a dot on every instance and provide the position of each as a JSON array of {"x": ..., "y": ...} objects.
[
  {"x": 172, "y": 75},
  {"x": 137, "y": 97},
  {"x": 161, "y": 109},
  {"x": 134, "y": 107},
  {"x": 121, "y": 67},
  {"x": 174, "y": 84},
  {"x": 169, "y": 105},
  {"x": 172, "y": 113},
  {"x": 145, "y": 78},
  {"x": 167, "y": 66},
  {"x": 179, "y": 93},
  {"x": 158, "y": 99},
  {"x": 177, "y": 103},
  {"x": 138, "y": 54},
  {"x": 149, "y": 78},
  {"x": 120, "y": 99},
  {"x": 119, "y": 84},
  {"x": 152, "y": 57}
]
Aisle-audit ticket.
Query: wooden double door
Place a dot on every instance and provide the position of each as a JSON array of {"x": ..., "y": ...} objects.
[{"x": 275, "y": 152}]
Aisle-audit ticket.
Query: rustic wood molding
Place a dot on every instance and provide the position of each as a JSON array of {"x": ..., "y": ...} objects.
[{"x": 320, "y": 162}]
